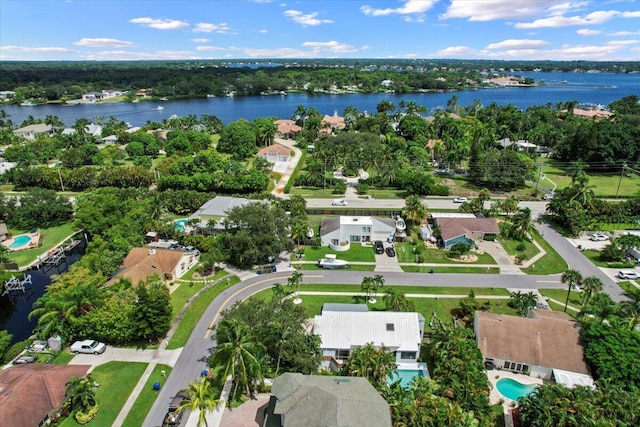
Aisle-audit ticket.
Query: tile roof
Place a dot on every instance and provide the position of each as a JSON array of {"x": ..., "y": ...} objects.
[
  {"x": 275, "y": 148},
  {"x": 548, "y": 339},
  {"x": 450, "y": 228},
  {"x": 29, "y": 392},
  {"x": 141, "y": 263},
  {"x": 321, "y": 401}
]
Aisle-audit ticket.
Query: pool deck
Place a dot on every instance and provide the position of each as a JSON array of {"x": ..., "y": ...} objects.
[
  {"x": 495, "y": 396},
  {"x": 33, "y": 242}
]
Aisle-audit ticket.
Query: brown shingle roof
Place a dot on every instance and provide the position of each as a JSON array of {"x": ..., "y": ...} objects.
[
  {"x": 550, "y": 339},
  {"x": 450, "y": 228},
  {"x": 29, "y": 392},
  {"x": 141, "y": 263}
]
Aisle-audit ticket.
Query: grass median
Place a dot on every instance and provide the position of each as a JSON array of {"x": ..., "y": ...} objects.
[{"x": 147, "y": 397}]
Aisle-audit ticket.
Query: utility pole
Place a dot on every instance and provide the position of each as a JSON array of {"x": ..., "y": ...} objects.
[{"x": 624, "y": 166}]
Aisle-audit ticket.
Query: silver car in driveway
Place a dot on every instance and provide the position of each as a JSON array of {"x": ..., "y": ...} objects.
[{"x": 88, "y": 346}]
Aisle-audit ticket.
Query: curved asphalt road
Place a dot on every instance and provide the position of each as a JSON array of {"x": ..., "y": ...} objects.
[{"x": 200, "y": 347}]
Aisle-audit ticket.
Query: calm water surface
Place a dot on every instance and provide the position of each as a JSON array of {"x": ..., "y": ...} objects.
[{"x": 587, "y": 88}]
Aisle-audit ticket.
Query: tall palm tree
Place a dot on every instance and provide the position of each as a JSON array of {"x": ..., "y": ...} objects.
[
  {"x": 375, "y": 364},
  {"x": 571, "y": 278},
  {"x": 631, "y": 308},
  {"x": 414, "y": 209},
  {"x": 201, "y": 396},
  {"x": 238, "y": 351},
  {"x": 591, "y": 285}
]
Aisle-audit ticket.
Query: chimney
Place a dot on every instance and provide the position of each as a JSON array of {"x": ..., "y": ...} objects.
[{"x": 152, "y": 251}]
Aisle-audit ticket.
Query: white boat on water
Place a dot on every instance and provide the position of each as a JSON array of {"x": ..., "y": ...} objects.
[
  {"x": 159, "y": 107},
  {"x": 330, "y": 262},
  {"x": 27, "y": 104}
]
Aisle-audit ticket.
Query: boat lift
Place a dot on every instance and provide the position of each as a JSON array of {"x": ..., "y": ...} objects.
[{"x": 16, "y": 285}]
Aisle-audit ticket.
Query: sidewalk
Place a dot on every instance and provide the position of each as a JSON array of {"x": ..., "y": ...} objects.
[{"x": 285, "y": 168}]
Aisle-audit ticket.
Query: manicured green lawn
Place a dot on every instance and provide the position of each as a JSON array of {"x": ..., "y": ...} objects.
[
  {"x": 147, "y": 397},
  {"x": 510, "y": 246},
  {"x": 117, "y": 380},
  {"x": 594, "y": 257},
  {"x": 356, "y": 267},
  {"x": 614, "y": 227},
  {"x": 443, "y": 269},
  {"x": 404, "y": 251},
  {"x": 315, "y": 193},
  {"x": 194, "y": 312},
  {"x": 184, "y": 291},
  {"x": 49, "y": 237},
  {"x": 357, "y": 252},
  {"x": 62, "y": 358},
  {"x": 406, "y": 289},
  {"x": 575, "y": 297},
  {"x": 550, "y": 263}
]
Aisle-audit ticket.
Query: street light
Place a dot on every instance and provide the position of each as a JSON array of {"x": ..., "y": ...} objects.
[{"x": 624, "y": 166}]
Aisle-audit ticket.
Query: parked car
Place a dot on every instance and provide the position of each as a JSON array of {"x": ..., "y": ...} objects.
[
  {"x": 88, "y": 346},
  {"x": 339, "y": 202},
  {"x": 599, "y": 237},
  {"x": 378, "y": 246},
  {"x": 390, "y": 251},
  {"x": 460, "y": 200},
  {"x": 628, "y": 274},
  {"x": 548, "y": 196},
  {"x": 173, "y": 417},
  {"x": 27, "y": 358}
]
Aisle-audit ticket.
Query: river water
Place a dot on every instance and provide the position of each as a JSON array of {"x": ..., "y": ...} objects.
[
  {"x": 15, "y": 309},
  {"x": 586, "y": 88}
]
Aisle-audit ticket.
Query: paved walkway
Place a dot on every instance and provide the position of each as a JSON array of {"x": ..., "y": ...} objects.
[{"x": 286, "y": 168}]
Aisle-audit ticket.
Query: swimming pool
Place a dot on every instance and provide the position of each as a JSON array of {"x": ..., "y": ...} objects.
[
  {"x": 406, "y": 375},
  {"x": 512, "y": 389},
  {"x": 180, "y": 224},
  {"x": 20, "y": 241}
]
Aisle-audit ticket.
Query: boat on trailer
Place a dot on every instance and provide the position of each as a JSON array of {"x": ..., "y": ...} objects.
[{"x": 330, "y": 262}]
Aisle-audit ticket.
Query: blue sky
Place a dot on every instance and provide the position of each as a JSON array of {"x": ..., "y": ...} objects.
[{"x": 243, "y": 29}]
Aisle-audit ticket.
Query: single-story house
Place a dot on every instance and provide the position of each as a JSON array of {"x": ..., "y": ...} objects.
[
  {"x": 30, "y": 392},
  {"x": 320, "y": 401},
  {"x": 520, "y": 145},
  {"x": 595, "y": 113},
  {"x": 466, "y": 230},
  {"x": 340, "y": 232},
  {"x": 32, "y": 131},
  {"x": 330, "y": 124},
  {"x": 7, "y": 94},
  {"x": 4, "y": 232},
  {"x": 535, "y": 345},
  {"x": 288, "y": 128},
  {"x": 216, "y": 210},
  {"x": 141, "y": 263},
  {"x": 275, "y": 153},
  {"x": 92, "y": 96},
  {"x": 343, "y": 331},
  {"x": 94, "y": 130}
]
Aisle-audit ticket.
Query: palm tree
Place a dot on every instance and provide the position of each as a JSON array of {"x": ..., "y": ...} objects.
[
  {"x": 631, "y": 308},
  {"x": 81, "y": 393},
  {"x": 414, "y": 209},
  {"x": 294, "y": 282},
  {"x": 201, "y": 396},
  {"x": 238, "y": 351},
  {"x": 591, "y": 285},
  {"x": 521, "y": 223},
  {"x": 601, "y": 306},
  {"x": 375, "y": 364},
  {"x": 572, "y": 278}
]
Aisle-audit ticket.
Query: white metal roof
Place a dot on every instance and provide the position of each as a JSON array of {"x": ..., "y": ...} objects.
[
  {"x": 363, "y": 220},
  {"x": 572, "y": 379},
  {"x": 346, "y": 330}
]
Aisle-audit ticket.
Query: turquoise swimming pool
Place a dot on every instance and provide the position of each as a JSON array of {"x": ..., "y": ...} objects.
[
  {"x": 406, "y": 375},
  {"x": 180, "y": 224},
  {"x": 20, "y": 241},
  {"x": 512, "y": 389}
]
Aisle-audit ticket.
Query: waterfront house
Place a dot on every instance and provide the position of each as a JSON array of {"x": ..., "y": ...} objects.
[
  {"x": 4, "y": 232},
  {"x": 287, "y": 128},
  {"x": 29, "y": 393},
  {"x": 141, "y": 263},
  {"x": 31, "y": 132},
  {"x": 321, "y": 401},
  {"x": 537, "y": 345},
  {"x": 339, "y": 232},
  {"x": 342, "y": 330},
  {"x": 275, "y": 153},
  {"x": 330, "y": 124},
  {"x": 466, "y": 230}
]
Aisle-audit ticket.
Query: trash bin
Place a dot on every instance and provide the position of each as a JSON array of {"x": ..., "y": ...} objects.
[
  {"x": 156, "y": 386},
  {"x": 431, "y": 271},
  {"x": 204, "y": 373}
]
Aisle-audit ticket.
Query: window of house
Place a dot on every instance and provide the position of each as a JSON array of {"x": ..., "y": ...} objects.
[
  {"x": 408, "y": 355},
  {"x": 342, "y": 354},
  {"x": 390, "y": 327},
  {"x": 354, "y": 238},
  {"x": 334, "y": 241},
  {"x": 366, "y": 230}
]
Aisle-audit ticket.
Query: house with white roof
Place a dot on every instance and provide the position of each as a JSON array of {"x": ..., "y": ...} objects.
[
  {"x": 339, "y": 232},
  {"x": 216, "y": 210},
  {"x": 341, "y": 332},
  {"x": 30, "y": 132}
]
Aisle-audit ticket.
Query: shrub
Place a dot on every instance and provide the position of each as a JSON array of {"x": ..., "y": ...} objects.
[
  {"x": 521, "y": 247},
  {"x": 84, "y": 418},
  {"x": 362, "y": 188}
]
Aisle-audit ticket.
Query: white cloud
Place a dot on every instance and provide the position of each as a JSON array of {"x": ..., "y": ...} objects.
[
  {"x": 204, "y": 27},
  {"x": 516, "y": 44},
  {"x": 263, "y": 31},
  {"x": 456, "y": 51},
  {"x": 635, "y": 14},
  {"x": 208, "y": 48},
  {"x": 409, "y": 7},
  {"x": 278, "y": 53},
  {"x": 201, "y": 40},
  {"x": 102, "y": 42},
  {"x": 332, "y": 46},
  {"x": 307, "y": 20},
  {"x": 30, "y": 49},
  {"x": 622, "y": 42},
  {"x": 489, "y": 10},
  {"x": 588, "y": 32},
  {"x": 159, "y": 24},
  {"x": 594, "y": 18},
  {"x": 121, "y": 55},
  {"x": 623, "y": 33}
]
